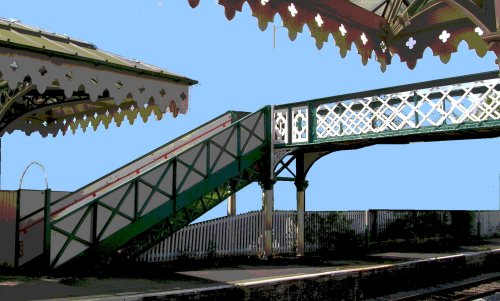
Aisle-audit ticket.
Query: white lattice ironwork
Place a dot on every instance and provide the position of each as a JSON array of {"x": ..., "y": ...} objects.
[
  {"x": 280, "y": 126},
  {"x": 300, "y": 124},
  {"x": 465, "y": 104},
  {"x": 453, "y": 104}
]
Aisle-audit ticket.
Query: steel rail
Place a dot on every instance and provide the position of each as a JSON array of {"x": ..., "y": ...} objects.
[{"x": 442, "y": 293}]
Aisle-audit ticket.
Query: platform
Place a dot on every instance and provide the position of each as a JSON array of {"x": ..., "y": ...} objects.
[{"x": 281, "y": 275}]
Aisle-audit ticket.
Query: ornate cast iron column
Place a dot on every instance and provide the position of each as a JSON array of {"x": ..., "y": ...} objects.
[
  {"x": 267, "y": 211},
  {"x": 231, "y": 205},
  {"x": 301, "y": 205},
  {"x": 231, "y": 201},
  {"x": 301, "y": 184}
]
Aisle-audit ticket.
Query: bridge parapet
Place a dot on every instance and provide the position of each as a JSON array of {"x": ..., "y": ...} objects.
[{"x": 461, "y": 104}]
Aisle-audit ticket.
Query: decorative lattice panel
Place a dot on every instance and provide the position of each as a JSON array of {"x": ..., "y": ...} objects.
[
  {"x": 281, "y": 126},
  {"x": 454, "y": 104},
  {"x": 434, "y": 108},
  {"x": 300, "y": 124}
]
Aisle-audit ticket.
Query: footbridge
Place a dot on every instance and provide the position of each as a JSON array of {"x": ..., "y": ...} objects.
[{"x": 131, "y": 209}]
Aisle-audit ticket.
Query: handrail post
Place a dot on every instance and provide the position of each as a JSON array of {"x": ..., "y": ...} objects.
[
  {"x": 290, "y": 125},
  {"x": 46, "y": 229},
  {"x": 415, "y": 104},
  {"x": 174, "y": 185},
  {"x": 136, "y": 200},
  {"x": 311, "y": 127}
]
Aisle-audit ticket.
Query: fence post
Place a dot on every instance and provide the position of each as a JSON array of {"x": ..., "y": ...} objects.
[
  {"x": 374, "y": 225},
  {"x": 18, "y": 217},
  {"x": 367, "y": 231},
  {"x": 478, "y": 218}
]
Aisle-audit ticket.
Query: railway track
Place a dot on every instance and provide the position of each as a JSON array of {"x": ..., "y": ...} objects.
[{"x": 467, "y": 290}]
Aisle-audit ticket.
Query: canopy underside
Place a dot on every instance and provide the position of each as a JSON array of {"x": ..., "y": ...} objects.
[
  {"x": 384, "y": 28},
  {"x": 48, "y": 88},
  {"x": 52, "y": 112}
]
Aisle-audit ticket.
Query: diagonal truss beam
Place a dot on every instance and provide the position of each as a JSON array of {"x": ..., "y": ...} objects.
[{"x": 153, "y": 216}]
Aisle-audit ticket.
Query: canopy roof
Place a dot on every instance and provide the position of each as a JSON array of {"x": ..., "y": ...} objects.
[
  {"x": 51, "y": 83},
  {"x": 385, "y": 27}
]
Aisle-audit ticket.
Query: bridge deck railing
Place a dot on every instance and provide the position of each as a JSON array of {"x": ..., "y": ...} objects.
[{"x": 453, "y": 104}]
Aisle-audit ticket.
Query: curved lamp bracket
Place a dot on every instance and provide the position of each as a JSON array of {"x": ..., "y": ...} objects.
[{"x": 26, "y": 169}]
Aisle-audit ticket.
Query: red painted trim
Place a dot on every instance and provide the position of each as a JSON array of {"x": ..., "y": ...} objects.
[{"x": 137, "y": 171}]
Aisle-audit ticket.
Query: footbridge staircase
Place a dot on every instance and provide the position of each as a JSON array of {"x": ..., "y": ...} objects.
[{"x": 128, "y": 211}]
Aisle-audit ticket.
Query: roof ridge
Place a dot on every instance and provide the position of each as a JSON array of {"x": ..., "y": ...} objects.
[{"x": 17, "y": 25}]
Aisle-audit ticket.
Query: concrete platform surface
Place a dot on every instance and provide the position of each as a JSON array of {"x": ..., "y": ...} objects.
[
  {"x": 90, "y": 288},
  {"x": 183, "y": 282}
]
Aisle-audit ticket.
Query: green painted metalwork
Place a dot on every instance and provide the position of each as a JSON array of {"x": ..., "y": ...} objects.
[
  {"x": 416, "y": 6},
  {"x": 120, "y": 219},
  {"x": 397, "y": 89},
  {"x": 46, "y": 228},
  {"x": 72, "y": 197},
  {"x": 447, "y": 108},
  {"x": 134, "y": 216},
  {"x": 24, "y": 100}
]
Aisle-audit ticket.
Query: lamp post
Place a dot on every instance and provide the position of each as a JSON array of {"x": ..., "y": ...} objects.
[{"x": 46, "y": 217}]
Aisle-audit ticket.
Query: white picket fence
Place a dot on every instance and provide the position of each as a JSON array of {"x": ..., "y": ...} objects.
[
  {"x": 489, "y": 222},
  {"x": 232, "y": 235},
  {"x": 242, "y": 234}
]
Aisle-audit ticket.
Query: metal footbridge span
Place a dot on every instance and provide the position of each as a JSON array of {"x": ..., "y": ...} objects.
[{"x": 128, "y": 211}]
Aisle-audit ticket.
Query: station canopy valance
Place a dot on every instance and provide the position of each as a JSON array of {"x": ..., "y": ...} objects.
[
  {"x": 384, "y": 28},
  {"x": 52, "y": 83}
]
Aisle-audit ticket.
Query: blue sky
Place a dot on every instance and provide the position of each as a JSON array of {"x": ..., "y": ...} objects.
[{"x": 238, "y": 69}]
